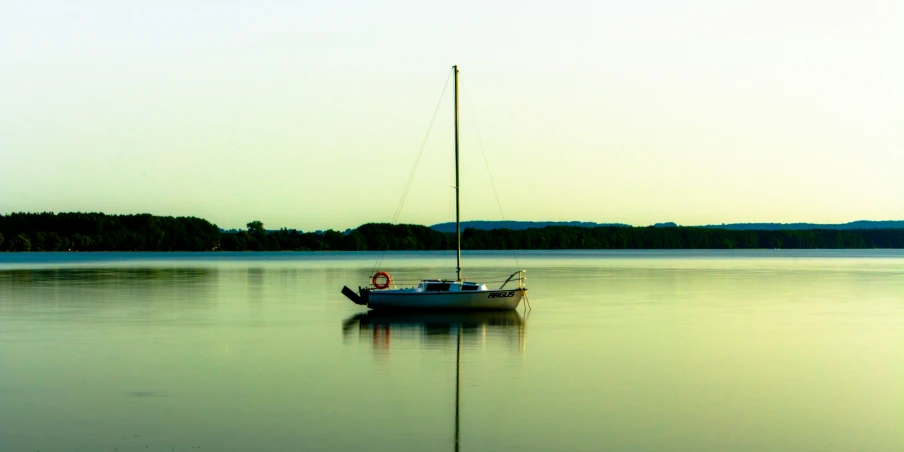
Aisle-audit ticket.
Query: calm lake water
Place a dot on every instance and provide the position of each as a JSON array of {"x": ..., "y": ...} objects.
[{"x": 640, "y": 351}]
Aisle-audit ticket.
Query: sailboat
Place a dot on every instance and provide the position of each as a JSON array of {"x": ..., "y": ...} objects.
[{"x": 382, "y": 293}]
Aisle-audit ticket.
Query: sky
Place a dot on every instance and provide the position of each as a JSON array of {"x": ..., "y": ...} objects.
[{"x": 311, "y": 115}]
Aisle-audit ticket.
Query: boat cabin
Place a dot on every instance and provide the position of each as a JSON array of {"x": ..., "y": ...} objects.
[{"x": 440, "y": 285}]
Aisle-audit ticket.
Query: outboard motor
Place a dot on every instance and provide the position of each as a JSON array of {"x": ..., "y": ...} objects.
[{"x": 351, "y": 295}]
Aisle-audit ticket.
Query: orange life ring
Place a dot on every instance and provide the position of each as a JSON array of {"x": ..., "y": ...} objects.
[{"x": 386, "y": 280}]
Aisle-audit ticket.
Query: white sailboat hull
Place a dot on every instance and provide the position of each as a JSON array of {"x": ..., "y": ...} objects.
[{"x": 472, "y": 300}]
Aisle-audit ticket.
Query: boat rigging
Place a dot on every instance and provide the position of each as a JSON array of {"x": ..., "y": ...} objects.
[{"x": 440, "y": 293}]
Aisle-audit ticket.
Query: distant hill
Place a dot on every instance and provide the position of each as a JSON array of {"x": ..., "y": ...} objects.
[
  {"x": 521, "y": 225},
  {"x": 862, "y": 224},
  {"x": 518, "y": 225}
]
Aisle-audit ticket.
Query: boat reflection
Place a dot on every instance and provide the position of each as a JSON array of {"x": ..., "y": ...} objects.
[
  {"x": 431, "y": 329},
  {"x": 453, "y": 329}
]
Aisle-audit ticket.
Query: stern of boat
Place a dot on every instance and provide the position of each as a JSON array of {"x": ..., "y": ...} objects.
[{"x": 361, "y": 298}]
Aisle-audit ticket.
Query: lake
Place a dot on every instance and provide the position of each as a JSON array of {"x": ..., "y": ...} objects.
[{"x": 634, "y": 350}]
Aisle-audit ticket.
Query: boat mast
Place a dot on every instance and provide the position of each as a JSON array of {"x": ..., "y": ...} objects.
[{"x": 457, "y": 218}]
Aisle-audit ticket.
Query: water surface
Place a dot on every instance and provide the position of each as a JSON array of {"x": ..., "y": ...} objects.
[{"x": 687, "y": 351}]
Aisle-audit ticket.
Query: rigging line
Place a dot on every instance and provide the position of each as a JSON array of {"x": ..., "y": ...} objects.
[
  {"x": 420, "y": 152},
  {"x": 487, "y": 162},
  {"x": 417, "y": 161}
]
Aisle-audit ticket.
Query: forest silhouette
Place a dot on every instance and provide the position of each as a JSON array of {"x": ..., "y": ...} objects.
[{"x": 144, "y": 232}]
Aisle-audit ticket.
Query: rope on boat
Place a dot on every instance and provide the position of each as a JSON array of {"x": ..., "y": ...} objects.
[
  {"x": 398, "y": 211},
  {"x": 486, "y": 161}
]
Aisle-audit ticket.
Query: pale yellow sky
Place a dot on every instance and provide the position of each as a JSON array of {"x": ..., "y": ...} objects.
[{"x": 310, "y": 115}]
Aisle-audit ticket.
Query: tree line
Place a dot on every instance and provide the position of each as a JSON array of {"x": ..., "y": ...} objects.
[
  {"x": 567, "y": 237},
  {"x": 144, "y": 232},
  {"x": 410, "y": 237},
  {"x": 78, "y": 231}
]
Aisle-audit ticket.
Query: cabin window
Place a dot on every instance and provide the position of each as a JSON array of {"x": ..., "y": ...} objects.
[
  {"x": 469, "y": 287},
  {"x": 433, "y": 287}
]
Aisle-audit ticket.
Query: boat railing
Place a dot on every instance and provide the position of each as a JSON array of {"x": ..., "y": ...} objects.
[
  {"x": 395, "y": 283},
  {"x": 521, "y": 278}
]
